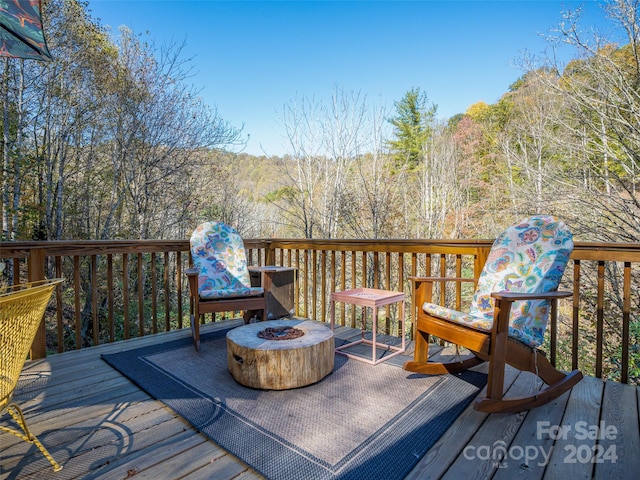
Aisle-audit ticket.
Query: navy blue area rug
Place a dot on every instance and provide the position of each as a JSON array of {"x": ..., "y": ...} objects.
[{"x": 361, "y": 422}]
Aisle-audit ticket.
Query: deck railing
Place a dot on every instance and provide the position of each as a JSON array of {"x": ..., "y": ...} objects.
[{"x": 120, "y": 289}]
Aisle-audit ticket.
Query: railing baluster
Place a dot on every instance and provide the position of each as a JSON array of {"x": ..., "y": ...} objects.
[
  {"x": 553, "y": 333},
  {"x": 76, "y": 284},
  {"x": 332, "y": 267},
  {"x": 125, "y": 294},
  {"x": 458, "y": 284},
  {"x": 297, "y": 300},
  {"x": 94, "y": 299},
  {"x": 179, "y": 286},
  {"x": 112, "y": 325},
  {"x": 401, "y": 288},
  {"x": 140, "y": 296},
  {"x": 376, "y": 270},
  {"x": 600, "y": 319},
  {"x": 154, "y": 294},
  {"x": 343, "y": 282},
  {"x": 59, "y": 306},
  {"x": 314, "y": 284},
  {"x": 387, "y": 286},
  {"x": 16, "y": 271},
  {"x": 354, "y": 261},
  {"x": 401, "y": 282},
  {"x": 167, "y": 318},
  {"x": 365, "y": 273},
  {"x": 306, "y": 282},
  {"x": 443, "y": 273},
  {"x": 576, "y": 315},
  {"x": 323, "y": 285},
  {"x": 626, "y": 319}
]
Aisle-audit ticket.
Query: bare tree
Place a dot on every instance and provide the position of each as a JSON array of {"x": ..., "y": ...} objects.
[
  {"x": 528, "y": 147},
  {"x": 602, "y": 101},
  {"x": 374, "y": 190},
  {"x": 439, "y": 191},
  {"x": 160, "y": 125}
]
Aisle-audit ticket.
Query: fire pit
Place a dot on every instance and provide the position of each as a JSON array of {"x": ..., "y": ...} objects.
[
  {"x": 280, "y": 333},
  {"x": 286, "y": 354}
]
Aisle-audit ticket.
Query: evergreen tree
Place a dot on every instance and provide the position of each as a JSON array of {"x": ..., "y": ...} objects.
[{"x": 412, "y": 128}]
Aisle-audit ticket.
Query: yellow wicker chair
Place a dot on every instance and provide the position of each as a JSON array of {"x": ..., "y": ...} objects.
[{"x": 21, "y": 310}]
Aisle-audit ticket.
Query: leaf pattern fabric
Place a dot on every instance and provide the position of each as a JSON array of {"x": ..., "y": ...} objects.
[
  {"x": 219, "y": 256},
  {"x": 529, "y": 257}
]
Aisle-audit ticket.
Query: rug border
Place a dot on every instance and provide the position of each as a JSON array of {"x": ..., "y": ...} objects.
[{"x": 298, "y": 462}]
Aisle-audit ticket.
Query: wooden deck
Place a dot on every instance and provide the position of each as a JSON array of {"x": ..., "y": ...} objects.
[{"x": 98, "y": 425}]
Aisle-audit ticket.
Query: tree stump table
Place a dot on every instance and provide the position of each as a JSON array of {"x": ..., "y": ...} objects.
[{"x": 293, "y": 353}]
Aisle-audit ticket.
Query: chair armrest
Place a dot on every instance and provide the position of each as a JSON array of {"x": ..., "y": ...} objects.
[
  {"x": 503, "y": 312},
  {"x": 191, "y": 271},
  {"x": 192, "y": 277},
  {"x": 442, "y": 279},
  {"x": 515, "y": 296},
  {"x": 423, "y": 288}
]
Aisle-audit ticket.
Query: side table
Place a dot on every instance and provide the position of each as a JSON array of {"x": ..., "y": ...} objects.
[
  {"x": 374, "y": 298},
  {"x": 279, "y": 288}
]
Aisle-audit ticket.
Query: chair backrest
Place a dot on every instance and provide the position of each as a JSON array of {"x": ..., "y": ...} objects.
[
  {"x": 218, "y": 254},
  {"x": 529, "y": 257},
  {"x": 21, "y": 310}
]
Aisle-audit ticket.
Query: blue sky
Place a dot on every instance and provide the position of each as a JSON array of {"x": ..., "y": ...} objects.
[{"x": 251, "y": 58}]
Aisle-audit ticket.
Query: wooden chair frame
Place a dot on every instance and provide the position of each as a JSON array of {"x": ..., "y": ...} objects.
[
  {"x": 495, "y": 347},
  {"x": 199, "y": 307}
]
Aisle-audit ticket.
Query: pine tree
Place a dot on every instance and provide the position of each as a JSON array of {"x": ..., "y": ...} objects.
[{"x": 412, "y": 128}]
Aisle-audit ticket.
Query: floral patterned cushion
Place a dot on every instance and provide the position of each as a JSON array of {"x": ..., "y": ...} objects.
[
  {"x": 218, "y": 254},
  {"x": 455, "y": 316},
  {"x": 529, "y": 257}
]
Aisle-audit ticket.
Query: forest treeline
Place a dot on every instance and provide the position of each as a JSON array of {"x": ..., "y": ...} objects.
[{"x": 110, "y": 141}]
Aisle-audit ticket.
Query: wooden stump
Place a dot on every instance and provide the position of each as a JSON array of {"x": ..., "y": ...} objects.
[{"x": 280, "y": 364}]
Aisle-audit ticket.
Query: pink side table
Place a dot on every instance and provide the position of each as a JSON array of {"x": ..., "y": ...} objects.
[{"x": 374, "y": 298}]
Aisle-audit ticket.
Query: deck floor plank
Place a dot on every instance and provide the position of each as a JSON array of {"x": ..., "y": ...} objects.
[
  {"x": 584, "y": 405},
  {"x": 69, "y": 415},
  {"x": 187, "y": 462},
  {"x": 224, "y": 468},
  {"x": 100, "y": 426},
  {"x": 72, "y": 428},
  {"x": 619, "y": 434},
  {"x": 529, "y": 452},
  {"x": 445, "y": 451},
  {"x": 145, "y": 455},
  {"x": 96, "y": 442},
  {"x": 484, "y": 450}
]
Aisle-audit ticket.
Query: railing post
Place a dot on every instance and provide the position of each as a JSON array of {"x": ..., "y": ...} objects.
[
  {"x": 35, "y": 268},
  {"x": 480, "y": 260},
  {"x": 270, "y": 254}
]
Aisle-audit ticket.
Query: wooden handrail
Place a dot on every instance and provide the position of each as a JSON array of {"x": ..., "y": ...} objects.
[{"x": 125, "y": 288}]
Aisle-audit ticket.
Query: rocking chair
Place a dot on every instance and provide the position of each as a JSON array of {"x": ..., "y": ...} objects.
[
  {"x": 21, "y": 310},
  {"x": 219, "y": 280},
  {"x": 508, "y": 315}
]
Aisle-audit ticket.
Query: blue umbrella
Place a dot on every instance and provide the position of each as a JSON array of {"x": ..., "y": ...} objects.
[{"x": 21, "y": 34}]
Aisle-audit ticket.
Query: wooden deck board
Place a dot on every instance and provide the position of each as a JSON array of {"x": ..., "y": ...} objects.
[
  {"x": 482, "y": 448},
  {"x": 445, "y": 451},
  {"x": 100, "y": 426},
  {"x": 620, "y": 435},
  {"x": 585, "y": 402},
  {"x": 535, "y": 450},
  {"x": 147, "y": 454}
]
